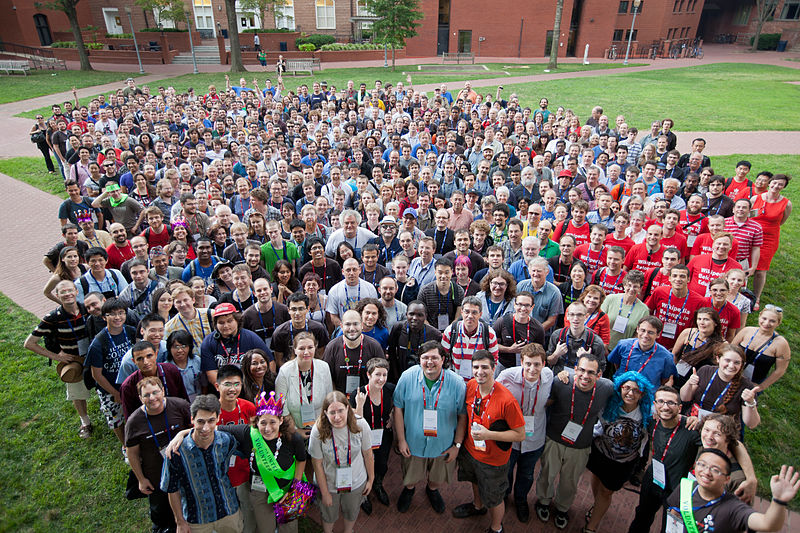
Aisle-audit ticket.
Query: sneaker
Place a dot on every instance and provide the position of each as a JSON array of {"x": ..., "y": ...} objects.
[
  {"x": 436, "y": 499},
  {"x": 85, "y": 431},
  {"x": 561, "y": 520},
  {"x": 465, "y": 510},
  {"x": 542, "y": 511},
  {"x": 523, "y": 511},
  {"x": 366, "y": 506},
  {"x": 404, "y": 501},
  {"x": 490, "y": 530},
  {"x": 125, "y": 455},
  {"x": 380, "y": 494}
]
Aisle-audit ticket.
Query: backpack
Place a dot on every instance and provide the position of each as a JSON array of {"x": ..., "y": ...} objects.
[
  {"x": 85, "y": 282},
  {"x": 484, "y": 329}
]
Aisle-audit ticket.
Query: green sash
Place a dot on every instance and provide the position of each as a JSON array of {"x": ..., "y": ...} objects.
[
  {"x": 686, "y": 505},
  {"x": 268, "y": 467}
]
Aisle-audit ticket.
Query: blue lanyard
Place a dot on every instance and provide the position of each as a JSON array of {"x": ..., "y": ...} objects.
[
  {"x": 347, "y": 301},
  {"x": 439, "y": 300},
  {"x": 722, "y": 394},
  {"x": 291, "y": 327},
  {"x": 202, "y": 329},
  {"x": 669, "y": 306},
  {"x": 111, "y": 338},
  {"x": 99, "y": 284},
  {"x": 150, "y": 426},
  {"x": 69, "y": 323},
  {"x": 285, "y": 257},
  {"x": 441, "y": 248},
  {"x": 364, "y": 273},
  {"x": 261, "y": 319},
  {"x": 629, "y": 312},
  {"x": 696, "y": 338},
  {"x": 763, "y": 347},
  {"x": 241, "y": 307},
  {"x": 163, "y": 377}
]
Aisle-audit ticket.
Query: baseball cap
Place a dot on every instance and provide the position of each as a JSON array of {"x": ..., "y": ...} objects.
[
  {"x": 565, "y": 174},
  {"x": 661, "y": 165},
  {"x": 410, "y": 211},
  {"x": 475, "y": 192},
  {"x": 224, "y": 309}
]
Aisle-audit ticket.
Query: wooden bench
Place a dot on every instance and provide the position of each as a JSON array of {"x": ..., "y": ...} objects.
[
  {"x": 303, "y": 65},
  {"x": 458, "y": 57},
  {"x": 15, "y": 66}
]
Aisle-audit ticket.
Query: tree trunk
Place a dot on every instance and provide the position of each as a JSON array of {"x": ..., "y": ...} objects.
[
  {"x": 233, "y": 37},
  {"x": 72, "y": 16},
  {"x": 556, "y": 36},
  {"x": 393, "y": 69},
  {"x": 263, "y": 14},
  {"x": 146, "y": 22},
  {"x": 759, "y": 25}
]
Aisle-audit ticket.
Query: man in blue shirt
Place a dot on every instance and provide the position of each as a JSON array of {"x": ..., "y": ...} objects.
[
  {"x": 207, "y": 501},
  {"x": 430, "y": 421},
  {"x": 644, "y": 355}
]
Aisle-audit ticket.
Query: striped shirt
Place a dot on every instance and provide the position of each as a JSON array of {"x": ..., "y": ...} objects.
[
  {"x": 748, "y": 234},
  {"x": 63, "y": 331},
  {"x": 198, "y": 327},
  {"x": 463, "y": 346}
]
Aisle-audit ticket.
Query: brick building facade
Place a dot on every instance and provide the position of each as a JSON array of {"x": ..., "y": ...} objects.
[{"x": 738, "y": 17}]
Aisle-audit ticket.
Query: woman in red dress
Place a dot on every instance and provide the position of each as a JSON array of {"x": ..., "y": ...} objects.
[{"x": 772, "y": 209}]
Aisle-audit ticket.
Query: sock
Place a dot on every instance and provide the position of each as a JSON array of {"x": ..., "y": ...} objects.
[{"x": 85, "y": 420}]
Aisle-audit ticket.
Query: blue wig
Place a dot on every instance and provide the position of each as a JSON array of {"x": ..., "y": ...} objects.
[{"x": 614, "y": 406}]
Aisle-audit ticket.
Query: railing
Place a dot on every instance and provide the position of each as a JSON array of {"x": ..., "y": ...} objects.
[{"x": 41, "y": 58}]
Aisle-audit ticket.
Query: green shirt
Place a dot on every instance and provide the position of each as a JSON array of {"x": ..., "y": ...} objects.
[
  {"x": 611, "y": 307},
  {"x": 550, "y": 250},
  {"x": 271, "y": 255}
]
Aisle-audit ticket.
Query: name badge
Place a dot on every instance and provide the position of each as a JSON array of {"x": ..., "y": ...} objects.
[
  {"x": 659, "y": 474},
  {"x": 429, "y": 423},
  {"x": 690, "y": 240},
  {"x": 232, "y": 461},
  {"x": 702, "y": 413},
  {"x": 465, "y": 369},
  {"x": 571, "y": 432},
  {"x": 620, "y": 323},
  {"x": 377, "y": 438},
  {"x": 683, "y": 368},
  {"x": 344, "y": 478},
  {"x": 480, "y": 445},
  {"x": 83, "y": 346},
  {"x": 670, "y": 329},
  {"x": 257, "y": 484},
  {"x": 307, "y": 416},
  {"x": 674, "y": 524},
  {"x": 352, "y": 383},
  {"x": 444, "y": 321},
  {"x": 529, "y": 426},
  {"x": 748, "y": 372}
]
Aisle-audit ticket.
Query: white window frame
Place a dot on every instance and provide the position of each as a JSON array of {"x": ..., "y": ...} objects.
[
  {"x": 284, "y": 15},
  {"x": 327, "y": 20}
]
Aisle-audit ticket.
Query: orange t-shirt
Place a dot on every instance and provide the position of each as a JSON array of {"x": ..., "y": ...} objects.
[{"x": 498, "y": 405}]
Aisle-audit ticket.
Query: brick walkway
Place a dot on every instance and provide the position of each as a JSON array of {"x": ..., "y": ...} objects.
[{"x": 23, "y": 274}]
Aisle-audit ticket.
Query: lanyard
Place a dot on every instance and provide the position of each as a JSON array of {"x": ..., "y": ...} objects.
[
  {"x": 163, "y": 378},
  {"x": 697, "y": 338},
  {"x": 336, "y": 452},
  {"x": 241, "y": 307},
  {"x": 372, "y": 408},
  {"x": 324, "y": 269},
  {"x": 150, "y": 426},
  {"x": 634, "y": 345},
  {"x": 274, "y": 251},
  {"x": 291, "y": 326},
  {"x": 446, "y": 302},
  {"x": 100, "y": 284},
  {"x": 483, "y": 406},
  {"x": 763, "y": 346},
  {"x": 441, "y": 248},
  {"x": 477, "y": 336},
  {"x": 721, "y": 395},
  {"x": 424, "y": 398},
  {"x": 111, "y": 338},
  {"x": 590, "y": 317},
  {"x": 261, "y": 319},
  {"x": 669, "y": 442},
  {"x": 614, "y": 285},
  {"x": 629, "y": 312},
  {"x": 347, "y": 358},
  {"x": 535, "y": 397},
  {"x": 310, "y": 398},
  {"x": 202, "y": 329},
  {"x": 572, "y": 404},
  {"x": 669, "y": 307},
  {"x": 408, "y": 333},
  {"x": 347, "y": 300},
  {"x": 514, "y": 331},
  {"x": 364, "y": 273},
  {"x": 238, "y": 343},
  {"x": 79, "y": 315}
]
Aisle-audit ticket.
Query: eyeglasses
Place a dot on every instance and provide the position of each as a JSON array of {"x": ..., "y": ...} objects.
[
  {"x": 771, "y": 307},
  {"x": 117, "y": 314},
  {"x": 668, "y": 403},
  {"x": 701, "y": 465},
  {"x": 231, "y": 385},
  {"x": 628, "y": 388}
]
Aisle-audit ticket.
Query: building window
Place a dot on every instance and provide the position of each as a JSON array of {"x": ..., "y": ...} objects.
[
  {"x": 284, "y": 15},
  {"x": 639, "y": 9},
  {"x": 675, "y": 6},
  {"x": 691, "y": 8},
  {"x": 326, "y": 16},
  {"x": 623, "y": 7},
  {"x": 618, "y": 35},
  {"x": 742, "y": 16},
  {"x": 464, "y": 41},
  {"x": 680, "y": 6},
  {"x": 628, "y": 35},
  {"x": 790, "y": 11}
]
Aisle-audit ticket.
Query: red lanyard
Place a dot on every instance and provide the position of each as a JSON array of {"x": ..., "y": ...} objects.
[
  {"x": 634, "y": 345},
  {"x": 238, "y": 344},
  {"x": 483, "y": 405},
  {"x": 572, "y": 404},
  {"x": 336, "y": 452},
  {"x": 535, "y": 397},
  {"x": 666, "y": 448},
  {"x": 424, "y": 400},
  {"x": 514, "y": 331},
  {"x": 372, "y": 407},
  {"x": 347, "y": 359},
  {"x": 310, "y": 398}
]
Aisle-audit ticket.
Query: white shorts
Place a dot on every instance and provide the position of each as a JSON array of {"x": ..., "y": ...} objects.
[{"x": 77, "y": 391}]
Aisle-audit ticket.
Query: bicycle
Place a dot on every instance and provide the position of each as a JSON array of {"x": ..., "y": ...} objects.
[{"x": 612, "y": 52}]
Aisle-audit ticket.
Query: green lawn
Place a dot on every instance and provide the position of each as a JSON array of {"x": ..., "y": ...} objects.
[
  {"x": 32, "y": 171},
  {"x": 339, "y": 77},
  {"x": 755, "y": 97},
  {"x": 14, "y": 88}
]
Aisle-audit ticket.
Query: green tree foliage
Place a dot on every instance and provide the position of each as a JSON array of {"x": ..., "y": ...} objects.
[{"x": 398, "y": 21}]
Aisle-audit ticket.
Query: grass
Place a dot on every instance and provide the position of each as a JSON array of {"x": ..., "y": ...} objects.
[
  {"x": 44, "y": 82},
  {"x": 340, "y": 76},
  {"x": 32, "y": 171},
  {"x": 773, "y": 443},
  {"x": 755, "y": 97}
]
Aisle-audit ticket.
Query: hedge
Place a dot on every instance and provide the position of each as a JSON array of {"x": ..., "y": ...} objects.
[
  {"x": 307, "y": 47},
  {"x": 273, "y": 30},
  {"x": 767, "y": 41},
  {"x": 317, "y": 40},
  {"x": 156, "y": 30},
  {"x": 71, "y": 44},
  {"x": 352, "y": 46}
]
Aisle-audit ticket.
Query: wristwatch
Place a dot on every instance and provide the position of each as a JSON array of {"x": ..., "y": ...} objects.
[{"x": 457, "y": 445}]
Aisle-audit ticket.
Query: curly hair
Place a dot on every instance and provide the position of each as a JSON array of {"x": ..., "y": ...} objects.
[
  {"x": 614, "y": 406},
  {"x": 511, "y": 284},
  {"x": 381, "y": 310}
]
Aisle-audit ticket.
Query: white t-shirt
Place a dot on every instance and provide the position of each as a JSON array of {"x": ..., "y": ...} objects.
[{"x": 358, "y": 443}]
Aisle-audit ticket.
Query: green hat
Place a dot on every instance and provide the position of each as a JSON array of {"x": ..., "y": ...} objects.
[{"x": 112, "y": 187}]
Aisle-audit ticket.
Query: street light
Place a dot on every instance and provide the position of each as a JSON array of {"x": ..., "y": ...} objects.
[
  {"x": 135, "y": 46},
  {"x": 636, "y": 4},
  {"x": 191, "y": 44}
]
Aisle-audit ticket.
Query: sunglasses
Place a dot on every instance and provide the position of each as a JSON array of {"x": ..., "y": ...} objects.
[{"x": 772, "y": 307}]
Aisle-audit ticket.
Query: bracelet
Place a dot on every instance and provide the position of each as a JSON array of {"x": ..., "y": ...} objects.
[
  {"x": 780, "y": 502},
  {"x": 752, "y": 405}
]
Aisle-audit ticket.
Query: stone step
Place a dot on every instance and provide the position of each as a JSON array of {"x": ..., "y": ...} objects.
[{"x": 201, "y": 60}]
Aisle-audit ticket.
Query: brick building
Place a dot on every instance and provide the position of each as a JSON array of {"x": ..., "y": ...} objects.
[
  {"x": 26, "y": 23},
  {"x": 738, "y": 17}
]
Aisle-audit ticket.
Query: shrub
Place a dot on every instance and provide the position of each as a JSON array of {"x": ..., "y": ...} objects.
[
  {"x": 273, "y": 30},
  {"x": 172, "y": 30},
  {"x": 307, "y": 47},
  {"x": 317, "y": 40},
  {"x": 119, "y": 36},
  {"x": 71, "y": 44},
  {"x": 767, "y": 41},
  {"x": 351, "y": 46}
]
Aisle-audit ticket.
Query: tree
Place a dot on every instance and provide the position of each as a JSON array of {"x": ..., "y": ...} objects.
[
  {"x": 237, "y": 65},
  {"x": 556, "y": 36},
  {"x": 167, "y": 10},
  {"x": 398, "y": 21},
  {"x": 68, "y": 8},
  {"x": 261, "y": 6},
  {"x": 764, "y": 12}
]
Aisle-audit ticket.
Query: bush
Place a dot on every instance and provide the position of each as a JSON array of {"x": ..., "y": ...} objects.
[
  {"x": 316, "y": 39},
  {"x": 352, "y": 46},
  {"x": 172, "y": 30},
  {"x": 274, "y": 30},
  {"x": 767, "y": 41},
  {"x": 119, "y": 36},
  {"x": 307, "y": 47},
  {"x": 71, "y": 44}
]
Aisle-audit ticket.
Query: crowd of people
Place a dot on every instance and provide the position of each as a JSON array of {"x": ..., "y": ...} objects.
[{"x": 278, "y": 294}]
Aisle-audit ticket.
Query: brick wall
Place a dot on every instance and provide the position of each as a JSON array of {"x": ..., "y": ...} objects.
[
  {"x": 723, "y": 22},
  {"x": 18, "y": 25}
]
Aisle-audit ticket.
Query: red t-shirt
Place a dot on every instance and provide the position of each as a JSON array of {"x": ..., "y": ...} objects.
[
  {"x": 737, "y": 190},
  {"x": 659, "y": 280},
  {"x": 593, "y": 260},
  {"x": 678, "y": 240},
  {"x": 117, "y": 256},
  {"x": 692, "y": 226},
  {"x": 581, "y": 233},
  {"x": 702, "y": 270},
  {"x": 240, "y": 471},
  {"x": 702, "y": 246},
  {"x": 156, "y": 239},
  {"x": 626, "y": 243},
  {"x": 674, "y": 310},
  {"x": 729, "y": 315},
  {"x": 610, "y": 284},
  {"x": 499, "y": 405},
  {"x": 640, "y": 259}
]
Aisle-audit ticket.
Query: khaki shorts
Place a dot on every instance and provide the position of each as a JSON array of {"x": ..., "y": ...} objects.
[
  {"x": 439, "y": 472},
  {"x": 348, "y": 502},
  {"x": 77, "y": 391},
  {"x": 230, "y": 524}
]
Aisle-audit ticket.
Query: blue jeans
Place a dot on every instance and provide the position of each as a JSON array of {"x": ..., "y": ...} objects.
[{"x": 526, "y": 464}]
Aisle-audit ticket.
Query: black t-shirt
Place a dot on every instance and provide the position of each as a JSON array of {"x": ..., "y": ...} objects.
[
  {"x": 137, "y": 433},
  {"x": 680, "y": 456},
  {"x": 283, "y": 337},
  {"x": 444, "y": 240},
  {"x": 342, "y": 364},
  {"x": 509, "y": 331},
  {"x": 55, "y": 251},
  {"x": 404, "y": 345},
  {"x": 374, "y": 277},
  {"x": 729, "y": 515},
  {"x": 292, "y": 448},
  {"x": 330, "y": 275},
  {"x": 240, "y": 304},
  {"x": 377, "y": 416},
  {"x": 264, "y": 324}
]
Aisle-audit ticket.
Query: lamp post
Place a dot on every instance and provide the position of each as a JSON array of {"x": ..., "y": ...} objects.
[
  {"x": 191, "y": 44},
  {"x": 135, "y": 45},
  {"x": 636, "y": 4}
]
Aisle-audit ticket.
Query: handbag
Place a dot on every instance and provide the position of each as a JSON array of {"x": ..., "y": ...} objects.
[
  {"x": 296, "y": 503},
  {"x": 38, "y": 137}
]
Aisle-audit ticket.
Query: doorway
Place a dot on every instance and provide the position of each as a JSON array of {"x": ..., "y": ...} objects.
[
  {"x": 464, "y": 41},
  {"x": 43, "y": 29},
  {"x": 443, "y": 36},
  {"x": 112, "y": 20}
]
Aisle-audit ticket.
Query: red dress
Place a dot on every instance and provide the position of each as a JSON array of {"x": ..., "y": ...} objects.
[{"x": 769, "y": 216}]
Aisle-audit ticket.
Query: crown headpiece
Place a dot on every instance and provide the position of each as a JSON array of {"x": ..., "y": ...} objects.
[{"x": 271, "y": 406}]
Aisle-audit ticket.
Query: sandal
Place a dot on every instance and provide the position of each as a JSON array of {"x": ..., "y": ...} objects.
[
  {"x": 587, "y": 530},
  {"x": 85, "y": 431}
]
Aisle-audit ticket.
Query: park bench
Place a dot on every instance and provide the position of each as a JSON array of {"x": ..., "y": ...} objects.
[
  {"x": 15, "y": 66},
  {"x": 303, "y": 65},
  {"x": 458, "y": 57}
]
